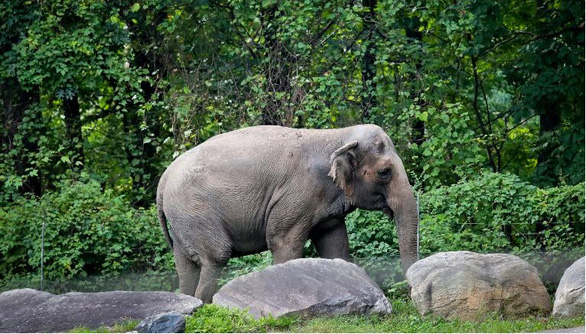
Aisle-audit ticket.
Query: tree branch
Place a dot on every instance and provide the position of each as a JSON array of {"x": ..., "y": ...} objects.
[
  {"x": 230, "y": 11},
  {"x": 477, "y": 111},
  {"x": 320, "y": 34}
]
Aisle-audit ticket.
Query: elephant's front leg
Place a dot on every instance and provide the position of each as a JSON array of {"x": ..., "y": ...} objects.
[
  {"x": 287, "y": 245},
  {"x": 331, "y": 242}
]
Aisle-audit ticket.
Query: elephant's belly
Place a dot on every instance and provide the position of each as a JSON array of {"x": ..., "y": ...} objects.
[
  {"x": 247, "y": 238},
  {"x": 247, "y": 247}
]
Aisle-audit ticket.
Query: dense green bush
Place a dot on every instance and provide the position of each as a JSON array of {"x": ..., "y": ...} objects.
[
  {"x": 499, "y": 212},
  {"x": 87, "y": 231},
  {"x": 371, "y": 234},
  {"x": 239, "y": 266}
]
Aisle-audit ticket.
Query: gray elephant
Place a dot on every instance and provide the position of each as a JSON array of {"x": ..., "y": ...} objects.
[{"x": 271, "y": 187}]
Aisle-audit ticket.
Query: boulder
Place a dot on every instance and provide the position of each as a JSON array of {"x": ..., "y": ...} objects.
[
  {"x": 569, "y": 297},
  {"x": 170, "y": 322},
  {"x": 28, "y": 310},
  {"x": 305, "y": 287},
  {"x": 465, "y": 285}
]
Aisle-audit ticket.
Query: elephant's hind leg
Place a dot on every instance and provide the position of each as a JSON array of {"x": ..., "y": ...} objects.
[
  {"x": 208, "y": 282},
  {"x": 188, "y": 272}
]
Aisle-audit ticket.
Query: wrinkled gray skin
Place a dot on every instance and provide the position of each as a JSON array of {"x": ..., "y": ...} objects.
[{"x": 270, "y": 187}]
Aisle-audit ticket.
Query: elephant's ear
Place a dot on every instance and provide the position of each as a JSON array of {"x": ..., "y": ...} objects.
[{"x": 342, "y": 167}]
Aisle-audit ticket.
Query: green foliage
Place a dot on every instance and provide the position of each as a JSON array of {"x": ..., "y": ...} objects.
[
  {"x": 399, "y": 291},
  {"x": 100, "y": 96},
  {"x": 239, "y": 266},
  {"x": 452, "y": 152},
  {"x": 78, "y": 97},
  {"x": 118, "y": 89},
  {"x": 499, "y": 212},
  {"x": 371, "y": 234},
  {"x": 374, "y": 246},
  {"x": 216, "y": 319},
  {"x": 87, "y": 231}
]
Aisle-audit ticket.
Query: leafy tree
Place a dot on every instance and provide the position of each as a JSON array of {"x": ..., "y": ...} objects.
[{"x": 107, "y": 93}]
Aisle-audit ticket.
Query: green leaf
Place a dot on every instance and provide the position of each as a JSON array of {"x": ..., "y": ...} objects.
[
  {"x": 423, "y": 116},
  {"x": 267, "y": 3}
]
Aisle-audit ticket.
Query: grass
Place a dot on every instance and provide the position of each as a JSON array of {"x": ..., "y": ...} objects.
[
  {"x": 404, "y": 319},
  {"x": 217, "y": 319}
]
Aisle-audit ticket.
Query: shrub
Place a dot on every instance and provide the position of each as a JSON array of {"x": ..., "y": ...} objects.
[
  {"x": 240, "y": 266},
  {"x": 499, "y": 212},
  {"x": 371, "y": 234},
  {"x": 87, "y": 231},
  {"x": 374, "y": 246}
]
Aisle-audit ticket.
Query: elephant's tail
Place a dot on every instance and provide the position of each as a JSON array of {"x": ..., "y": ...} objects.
[{"x": 161, "y": 213}]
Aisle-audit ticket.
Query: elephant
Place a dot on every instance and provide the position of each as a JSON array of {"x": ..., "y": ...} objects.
[{"x": 273, "y": 188}]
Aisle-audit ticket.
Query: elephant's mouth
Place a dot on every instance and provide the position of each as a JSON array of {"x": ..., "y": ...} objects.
[{"x": 389, "y": 212}]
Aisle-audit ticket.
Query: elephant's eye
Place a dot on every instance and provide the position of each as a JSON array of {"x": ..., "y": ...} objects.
[{"x": 384, "y": 174}]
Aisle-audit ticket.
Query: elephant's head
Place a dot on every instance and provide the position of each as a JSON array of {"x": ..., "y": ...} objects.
[{"x": 371, "y": 174}]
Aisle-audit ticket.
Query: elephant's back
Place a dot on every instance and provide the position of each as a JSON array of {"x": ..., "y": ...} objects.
[
  {"x": 245, "y": 163},
  {"x": 263, "y": 136},
  {"x": 268, "y": 150}
]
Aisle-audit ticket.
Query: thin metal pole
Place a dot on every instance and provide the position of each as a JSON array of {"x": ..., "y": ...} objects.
[
  {"x": 43, "y": 254},
  {"x": 417, "y": 224}
]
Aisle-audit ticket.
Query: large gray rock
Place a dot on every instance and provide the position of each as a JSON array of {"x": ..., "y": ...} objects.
[
  {"x": 466, "y": 285},
  {"x": 305, "y": 287},
  {"x": 569, "y": 297},
  {"x": 28, "y": 310}
]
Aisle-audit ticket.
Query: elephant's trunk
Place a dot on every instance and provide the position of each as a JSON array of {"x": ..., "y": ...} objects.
[{"x": 404, "y": 207}]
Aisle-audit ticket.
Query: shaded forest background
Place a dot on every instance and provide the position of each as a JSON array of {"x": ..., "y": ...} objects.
[{"x": 483, "y": 99}]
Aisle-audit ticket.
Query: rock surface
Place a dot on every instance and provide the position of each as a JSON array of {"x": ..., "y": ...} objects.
[
  {"x": 170, "y": 322},
  {"x": 565, "y": 330},
  {"x": 465, "y": 285},
  {"x": 569, "y": 297},
  {"x": 28, "y": 310},
  {"x": 305, "y": 287}
]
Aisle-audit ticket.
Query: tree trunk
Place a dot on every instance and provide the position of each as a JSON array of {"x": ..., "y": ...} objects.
[
  {"x": 369, "y": 101},
  {"x": 418, "y": 126},
  {"x": 73, "y": 124},
  {"x": 277, "y": 70},
  {"x": 550, "y": 119}
]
